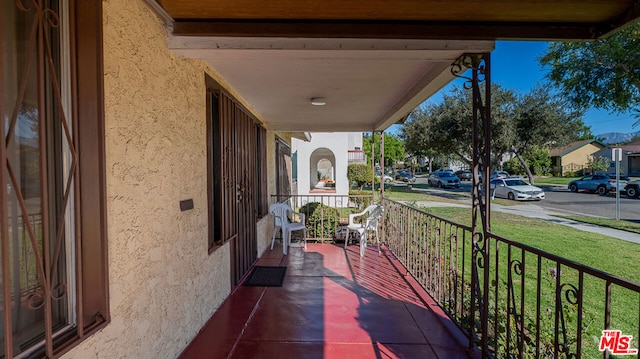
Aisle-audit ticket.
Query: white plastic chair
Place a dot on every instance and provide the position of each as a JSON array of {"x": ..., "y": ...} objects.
[
  {"x": 282, "y": 222},
  {"x": 374, "y": 213}
]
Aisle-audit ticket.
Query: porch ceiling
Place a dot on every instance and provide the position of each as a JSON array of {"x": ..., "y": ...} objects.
[
  {"x": 372, "y": 61},
  {"x": 367, "y": 84}
]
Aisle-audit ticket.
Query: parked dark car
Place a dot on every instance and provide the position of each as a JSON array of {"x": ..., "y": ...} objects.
[
  {"x": 402, "y": 173},
  {"x": 405, "y": 176},
  {"x": 399, "y": 172},
  {"x": 633, "y": 189},
  {"x": 464, "y": 175},
  {"x": 598, "y": 183},
  {"x": 443, "y": 180}
]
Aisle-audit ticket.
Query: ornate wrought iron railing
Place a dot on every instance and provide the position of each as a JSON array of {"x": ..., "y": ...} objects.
[
  {"x": 528, "y": 303},
  {"x": 325, "y": 214}
]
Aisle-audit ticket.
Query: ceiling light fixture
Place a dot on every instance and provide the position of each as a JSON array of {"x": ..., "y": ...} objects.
[{"x": 318, "y": 101}]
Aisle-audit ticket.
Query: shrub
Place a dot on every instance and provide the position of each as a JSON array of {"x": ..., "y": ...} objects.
[
  {"x": 321, "y": 220},
  {"x": 360, "y": 174},
  {"x": 538, "y": 161},
  {"x": 514, "y": 167}
]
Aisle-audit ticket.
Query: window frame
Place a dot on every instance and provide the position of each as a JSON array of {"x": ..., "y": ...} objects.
[
  {"x": 262, "y": 190},
  {"x": 214, "y": 199},
  {"x": 89, "y": 196},
  {"x": 283, "y": 180}
]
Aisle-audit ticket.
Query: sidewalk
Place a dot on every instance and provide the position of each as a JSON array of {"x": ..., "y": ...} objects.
[{"x": 535, "y": 211}]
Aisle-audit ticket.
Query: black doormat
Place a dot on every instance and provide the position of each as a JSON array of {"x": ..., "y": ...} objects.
[{"x": 266, "y": 276}]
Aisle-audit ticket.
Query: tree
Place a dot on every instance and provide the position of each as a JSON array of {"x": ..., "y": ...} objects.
[
  {"x": 604, "y": 73},
  {"x": 394, "y": 149},
  {"x": 359, "y": 173},
  {"x": 520, "y": 124},
  {"x": 537, "y": 161},
  {"x": 445, "y": 128},
  {"x": 542, "y": 120},
  {"x": 416, "y": 133},
  {"x": 598, "y": 164}
]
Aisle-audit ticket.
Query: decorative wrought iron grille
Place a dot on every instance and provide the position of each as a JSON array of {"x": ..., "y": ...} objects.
[{"x": 40, "y": 170}]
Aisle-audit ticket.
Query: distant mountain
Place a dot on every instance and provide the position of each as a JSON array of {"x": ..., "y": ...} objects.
[{"x": 616, "y": 137}]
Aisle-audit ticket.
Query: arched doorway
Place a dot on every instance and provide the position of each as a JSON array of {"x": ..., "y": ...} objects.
[{"x": 322, "y": 169}]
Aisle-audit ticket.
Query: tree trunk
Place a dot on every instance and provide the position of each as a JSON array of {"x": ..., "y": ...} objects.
[
  {"x": 465, "y": 159},
  {"x": 524, "y": 164}
]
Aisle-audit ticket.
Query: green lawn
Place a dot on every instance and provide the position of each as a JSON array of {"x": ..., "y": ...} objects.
[
  {"x": 554, "y": 180},
  {"x": 590, "y": 249}
]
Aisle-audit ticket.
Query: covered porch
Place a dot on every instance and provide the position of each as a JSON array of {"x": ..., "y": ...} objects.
[
  {"x": 163, "y": 127},
  {"x": 433, "y": 291},
  {"x": 333, "y": 304}
]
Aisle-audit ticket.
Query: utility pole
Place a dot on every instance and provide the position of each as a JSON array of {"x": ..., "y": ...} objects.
[{"x": 616, "y": 155}]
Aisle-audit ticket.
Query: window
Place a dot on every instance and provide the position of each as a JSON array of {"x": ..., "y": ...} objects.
[
  {"x": 283, "y": 169},
  {"x": 261, "y": 175},
  {"x": 53, "y": 236},
  {"x": 294, "y": 168},
  {"x": 214, "y": 165}
]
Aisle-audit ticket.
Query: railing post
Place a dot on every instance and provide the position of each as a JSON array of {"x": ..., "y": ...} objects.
[
  {"x": 480, "y": 196},
  {"x": 382, "y": 165},
  {"x": 373, "y": 164}
]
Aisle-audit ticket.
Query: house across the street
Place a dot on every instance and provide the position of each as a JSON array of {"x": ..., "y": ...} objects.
[{"x": 572, "y": 159}]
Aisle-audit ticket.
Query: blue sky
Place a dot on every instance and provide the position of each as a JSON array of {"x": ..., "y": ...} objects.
[{"x": 514, "y": 65}]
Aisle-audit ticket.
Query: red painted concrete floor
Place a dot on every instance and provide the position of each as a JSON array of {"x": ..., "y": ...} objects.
[{"x": 333, "y": 304}]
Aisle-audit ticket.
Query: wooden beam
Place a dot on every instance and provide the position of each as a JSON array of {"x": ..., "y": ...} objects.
[
  {"x": 389, "y": 30},
  {"x": 521, "y": 11},
  {"x": 630, "y": 16}
]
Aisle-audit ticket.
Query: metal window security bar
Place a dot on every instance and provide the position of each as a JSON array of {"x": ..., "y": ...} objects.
[
  {"x": 53, "y": 240},
  {"x": 39, "y": 164}
]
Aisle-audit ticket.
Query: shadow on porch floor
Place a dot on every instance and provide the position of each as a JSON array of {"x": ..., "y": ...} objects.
[{"x": 333, "y": 304}]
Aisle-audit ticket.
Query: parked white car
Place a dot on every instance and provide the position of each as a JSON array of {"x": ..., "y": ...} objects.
[
  {"x": 515, "y": 189},
  {"x": 387, "y": 178}
]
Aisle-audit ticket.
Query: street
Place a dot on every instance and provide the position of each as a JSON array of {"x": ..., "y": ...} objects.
[
  {"x": 591, "y": 204},
  {"x": 561, "y": 199}
]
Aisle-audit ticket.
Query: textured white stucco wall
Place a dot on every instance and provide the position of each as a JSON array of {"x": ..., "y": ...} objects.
[
  {"x": 163, "y": 283},
  {"x": 338, "y": 143}
]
